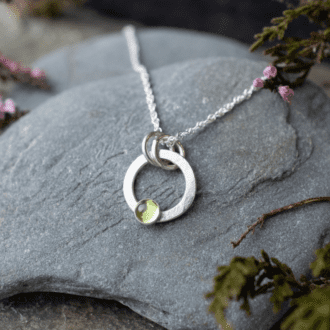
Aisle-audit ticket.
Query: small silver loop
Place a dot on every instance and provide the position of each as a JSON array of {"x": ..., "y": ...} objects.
[
  {"x": 155, "y": 153},
  {"x": 144, "y": 146}
]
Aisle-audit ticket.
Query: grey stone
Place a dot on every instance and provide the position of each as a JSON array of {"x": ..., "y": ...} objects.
[
  {"x": 58, "y": 311},
  {"x": 107, "y": 56},
  {"x": 66, "y": 227}
]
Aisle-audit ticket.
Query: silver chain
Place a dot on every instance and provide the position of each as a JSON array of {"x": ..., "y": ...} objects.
[{"x": 129, "y": 31}]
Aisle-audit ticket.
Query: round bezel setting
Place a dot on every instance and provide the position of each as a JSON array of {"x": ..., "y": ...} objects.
[{"x": 150, "y": 215}]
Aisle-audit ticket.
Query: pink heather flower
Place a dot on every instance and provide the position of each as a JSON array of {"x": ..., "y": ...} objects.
[
  {"x": 286, "y": 92},
  {"x": 9, "y": 106},
  {"x": 37, "y": 73},
  {"x": 11, "y": 65},
  {"x": 4, "y": 60},
  {"x": 258, "y": 82},
  {"x": 270, "y": 71}
]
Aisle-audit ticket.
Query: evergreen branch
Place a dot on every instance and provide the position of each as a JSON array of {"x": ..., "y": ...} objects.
[
  {"x": 312, "y": 311},
  {"x": 264, "y": 216},
  {"x": 321, "y": 266},
  {"x": 239, "y": 281}
]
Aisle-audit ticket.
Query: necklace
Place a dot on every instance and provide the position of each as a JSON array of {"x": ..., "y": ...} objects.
[{"x": 147, "y": 211}]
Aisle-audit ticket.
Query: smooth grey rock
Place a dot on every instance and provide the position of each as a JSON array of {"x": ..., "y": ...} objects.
[
  {"x": 108, "y": 56},
  {"x": 66, "y": 227}
]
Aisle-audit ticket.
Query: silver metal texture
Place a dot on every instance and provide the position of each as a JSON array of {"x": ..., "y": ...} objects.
[
  {"x": 170, "y": 141},
  {"x": 133, "y": 47},
  {"x": 189, "y": 194},
  {"x": 134, "y": 50},
  {"x": 152, "y": 159},
  {"x": 155, "y": 153}
]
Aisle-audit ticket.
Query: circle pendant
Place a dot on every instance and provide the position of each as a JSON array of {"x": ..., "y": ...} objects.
[{"x": 151, "y": 212}]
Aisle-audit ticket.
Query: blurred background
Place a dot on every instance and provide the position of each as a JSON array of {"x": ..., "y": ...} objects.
[{"x": 30, "y": 29}]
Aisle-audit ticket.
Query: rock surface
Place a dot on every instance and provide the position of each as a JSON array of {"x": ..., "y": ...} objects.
[
  {"x": 107, "y": 56},
  {"x": 66, "y": 227},
  {"x": 58, "y": 311}
]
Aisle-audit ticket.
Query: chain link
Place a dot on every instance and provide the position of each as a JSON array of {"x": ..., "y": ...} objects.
[{"x": 129, "y": 31}]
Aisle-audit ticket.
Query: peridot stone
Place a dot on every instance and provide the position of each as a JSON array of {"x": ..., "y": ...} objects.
[{"x": 147, "y": 211}]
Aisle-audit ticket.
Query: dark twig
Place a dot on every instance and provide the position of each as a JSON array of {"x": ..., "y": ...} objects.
[
  {"x": 284, "y": 208},
  {"x": 11, "y": 118}
]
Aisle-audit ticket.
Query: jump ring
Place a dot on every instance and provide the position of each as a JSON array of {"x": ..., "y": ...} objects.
[
  {"x": 155, "y": 153},
  {"x": 144, "y": 146}
]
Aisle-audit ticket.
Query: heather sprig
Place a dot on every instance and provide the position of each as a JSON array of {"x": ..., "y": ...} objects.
[
  {"x": 296, "y": 55},
  {"x": 271, "y": 72},
  {"x": 17, "y": 72}
]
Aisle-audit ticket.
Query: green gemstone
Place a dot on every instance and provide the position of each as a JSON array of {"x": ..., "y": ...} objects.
[{"x": 149, "y": 212}]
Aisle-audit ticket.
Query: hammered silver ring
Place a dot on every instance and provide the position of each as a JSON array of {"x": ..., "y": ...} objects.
[{"x": 153, "y": 214}]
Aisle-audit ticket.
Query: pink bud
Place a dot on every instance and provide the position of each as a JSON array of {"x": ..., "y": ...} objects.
[
  {"x": 8, "y": 63},
  {"x": 270, "y": 71},
  {"x": 37, "y": 73},
  {"x": 9, "y": 106},
  {"x": 13, "y": 66},
  {"x": 258, "y": 82},
  {"x": 5, "y": 61},
  {"x": 286, "y": 92}
]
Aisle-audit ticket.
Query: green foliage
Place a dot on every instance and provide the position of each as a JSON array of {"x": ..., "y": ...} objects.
[
  {"x": 53, "y": 8},
  {"x": 49, "y": 9},
  {"x": 237, "y": 279},
  {"x": 243, "y": 278},
  {"x": 321, "y": 266},
  {"x": 294, "y": 49},
  {"x": 282, "y": 292},
  {"x": 312, "y": 312}
]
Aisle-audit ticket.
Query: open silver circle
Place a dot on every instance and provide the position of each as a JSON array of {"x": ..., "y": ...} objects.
[{"x": 188, "y": 196}]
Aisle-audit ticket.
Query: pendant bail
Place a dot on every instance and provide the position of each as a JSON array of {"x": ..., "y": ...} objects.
[{"x": 154, "y": 157}]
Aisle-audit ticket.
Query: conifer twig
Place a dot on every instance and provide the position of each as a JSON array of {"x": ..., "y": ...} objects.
[{"x": 274, "y": 212}]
